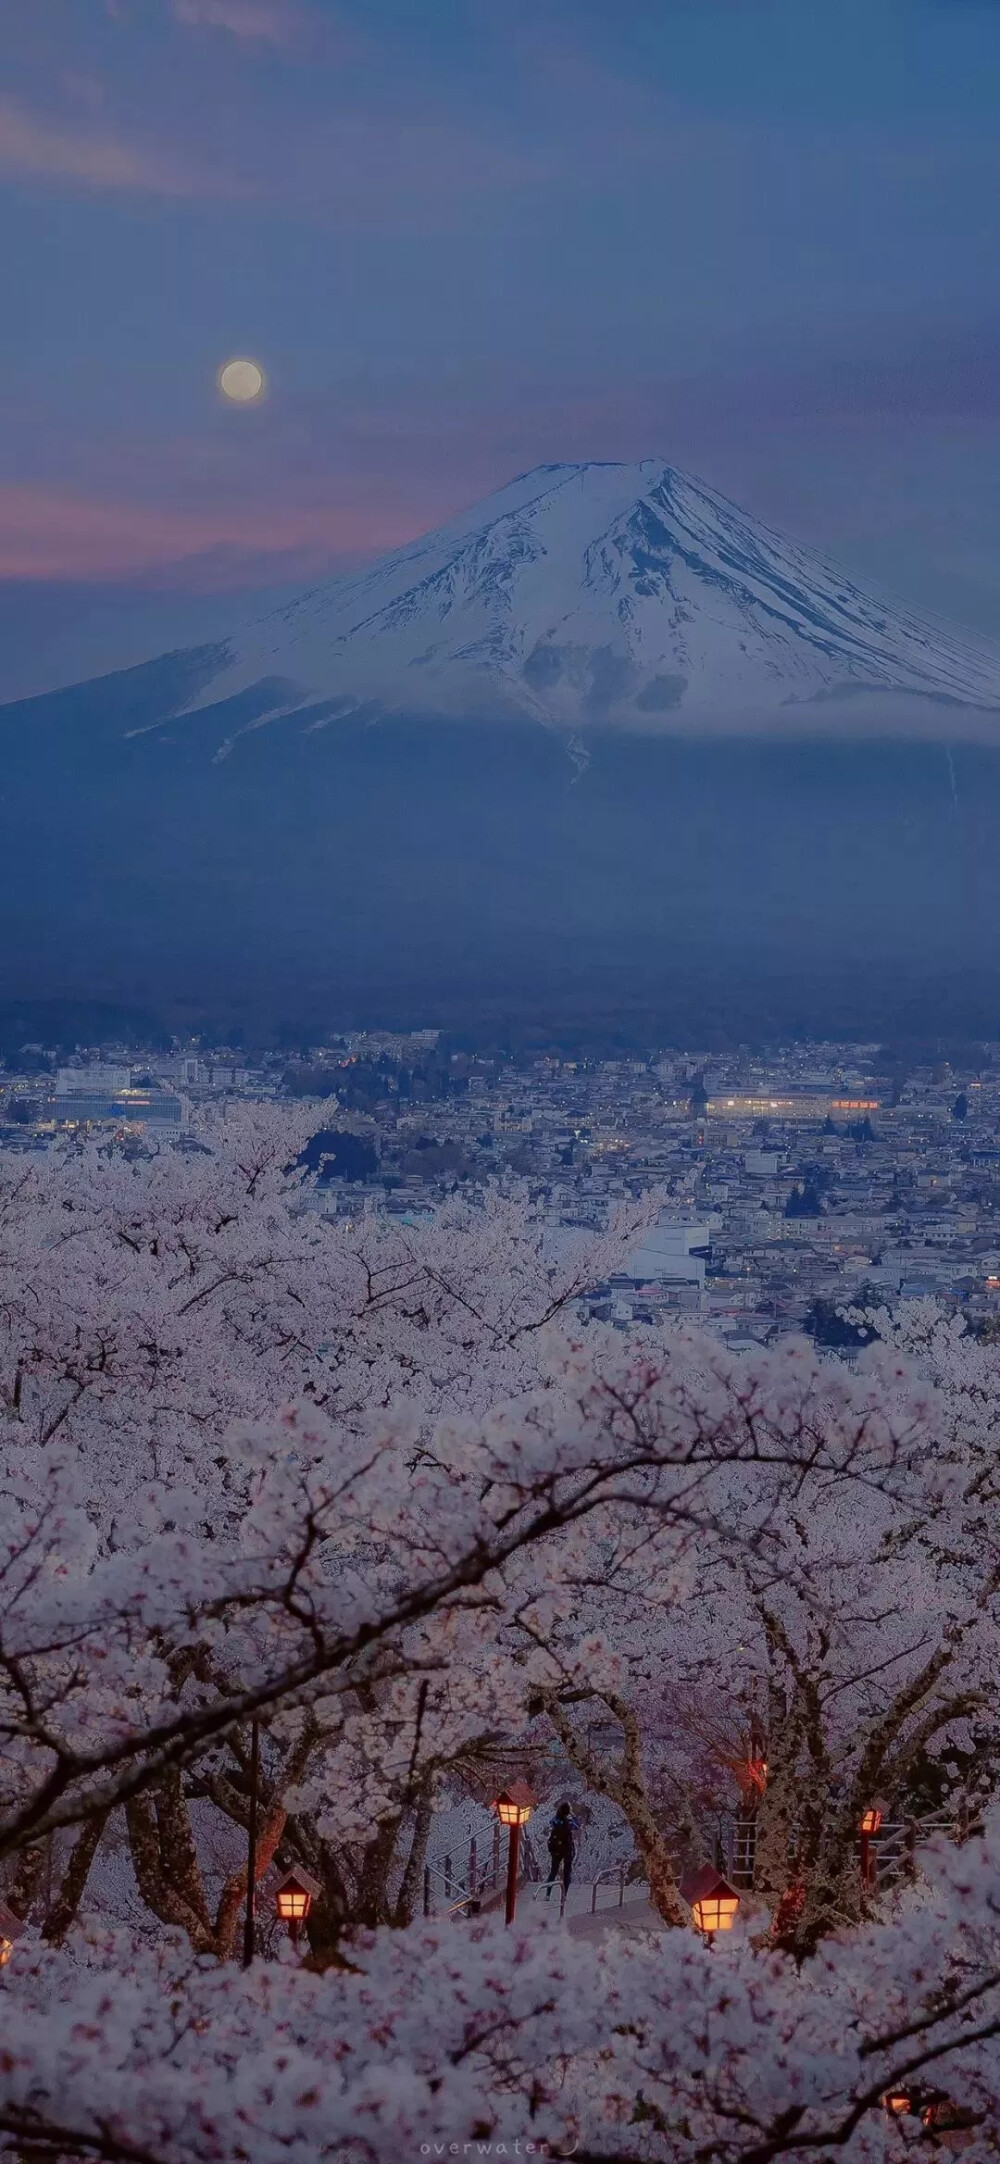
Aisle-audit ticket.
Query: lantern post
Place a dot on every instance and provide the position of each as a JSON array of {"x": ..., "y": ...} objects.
[
  {"x": 513, "y": 1807},
  {"x": 251, "y": 1844}
]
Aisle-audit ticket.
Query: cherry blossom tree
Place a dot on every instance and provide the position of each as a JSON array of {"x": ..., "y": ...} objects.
[
  {"x": 466, "y": 2040},
  {"x": 147, "y": 1309},
  {"x": 376, "y": 1490},
  {"x": 844, "y": 1634}
]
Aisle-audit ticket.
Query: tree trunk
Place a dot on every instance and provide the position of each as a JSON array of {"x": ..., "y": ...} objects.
[
  {"x": 776, "y": 1824},
  {"x": 625, "y": 1785},
  {"x": 64, "y": 1909},
  {"x": 373, "y": 1906},
  {"x": 413, "y": 1874},
  {"x": 834, "y": 1895},
  {"x": 26, "y": 1884},
  {"x": 175, "y": 1902}
]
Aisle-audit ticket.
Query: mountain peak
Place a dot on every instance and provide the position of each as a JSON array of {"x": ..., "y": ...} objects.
[{"x": 608, "y": 593}]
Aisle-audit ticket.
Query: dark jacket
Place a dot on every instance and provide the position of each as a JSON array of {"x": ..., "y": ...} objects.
[{"x": 561, "y": 1834}]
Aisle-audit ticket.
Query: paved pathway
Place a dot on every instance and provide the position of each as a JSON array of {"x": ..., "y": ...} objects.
[{"x": 635, "y": 1918}]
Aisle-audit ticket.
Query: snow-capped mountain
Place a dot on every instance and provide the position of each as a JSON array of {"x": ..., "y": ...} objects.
[
  {"x": 792, "y": 815},
  {"x": 602, "y": 592}
]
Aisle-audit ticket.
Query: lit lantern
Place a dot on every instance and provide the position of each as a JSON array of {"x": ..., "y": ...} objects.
[
  {"x": 293, "y": 1898},
  {"x": 513, "y": 1807},
  {"x": 11, "y": 1928},
  {"x": 950, "y": 2126},
  {"x": 898, "y": 2102},
  {"x": 515, "y": 1804},
  {"x": 713, "y": 1903},
  {"x": 868, "y": 1826}
]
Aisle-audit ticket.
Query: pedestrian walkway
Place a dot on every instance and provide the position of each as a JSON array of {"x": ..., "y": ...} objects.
[{"x": 634, "y": 1917}]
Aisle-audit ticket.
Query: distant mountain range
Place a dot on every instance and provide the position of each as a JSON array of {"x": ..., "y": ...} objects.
[
  {"x": 605, "y": 593},
  {"x": 603, "y": 744}
]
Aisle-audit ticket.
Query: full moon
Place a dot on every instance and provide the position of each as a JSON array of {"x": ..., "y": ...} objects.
[{"x": 240, "y": 380}]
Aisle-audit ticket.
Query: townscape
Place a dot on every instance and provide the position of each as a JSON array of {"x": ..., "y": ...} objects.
[{"x": 791, "y": 1184}]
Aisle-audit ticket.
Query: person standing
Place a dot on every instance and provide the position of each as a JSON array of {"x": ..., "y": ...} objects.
[{"x": 561, "y": 1852}]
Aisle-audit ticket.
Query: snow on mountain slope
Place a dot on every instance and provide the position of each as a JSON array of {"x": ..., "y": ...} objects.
[{"x": 605, "y": 592}]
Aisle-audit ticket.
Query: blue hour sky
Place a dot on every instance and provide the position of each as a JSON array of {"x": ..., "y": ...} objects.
[{"x": 757, "y": 237}]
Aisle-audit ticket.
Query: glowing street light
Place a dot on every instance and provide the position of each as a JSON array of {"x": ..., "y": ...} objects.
[
  {"x": 513, "y": 1807},
  {"x": 293, "y": 1898},
  {"x": 713, "y": 1902}
]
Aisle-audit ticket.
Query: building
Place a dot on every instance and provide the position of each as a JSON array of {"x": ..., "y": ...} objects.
[
  {"x": 146, "y": 1108},
  {"x": 672, "y": 1253},
  {"x": 95, "y": 1081}
]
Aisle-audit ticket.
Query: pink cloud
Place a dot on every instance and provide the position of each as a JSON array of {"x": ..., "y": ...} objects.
[
  {"x": 267, "y": 22},
  {"x": 45, "y": 534},
  {"x": 31, "y": 143}
]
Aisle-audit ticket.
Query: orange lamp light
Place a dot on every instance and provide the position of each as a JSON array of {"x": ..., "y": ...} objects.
[
  {"x": 294, "y": 1896},
  {"x": 871, "y": 1819},
  {"x": 11, "y": 1928},
  {"x": 716, "y": 1914},
  {"x": 515, "y": 1804},
  {"x": 713, "y": 1903}
]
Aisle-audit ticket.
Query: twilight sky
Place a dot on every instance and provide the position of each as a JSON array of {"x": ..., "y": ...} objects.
[{"x": 756, "y": 237}]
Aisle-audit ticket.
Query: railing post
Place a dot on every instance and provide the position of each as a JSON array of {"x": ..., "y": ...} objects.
[
  {"x": 447, "y": 1878},
  {"x": 621, "y": 1887},
  {"x": 472, "y": 1868},
  {"x": 427, "y": 1889},
  {"x": 495, "y": 1874}
]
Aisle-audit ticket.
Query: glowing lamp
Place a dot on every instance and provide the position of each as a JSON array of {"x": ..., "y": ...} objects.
[
  {"x": 515, "y": 1804},
  {"x": 713, "y": 1903},
  {"x": 513, "y": 1807},
  {"x": 294, "y": 1903},
  {"x": 931, "y": 2106},
  {"x": 871, "y": 1820},
  {"x": 11, "y": 1928},
  {"x": 753, "y": 1776},
  {"x": 293, "y": 1898}
]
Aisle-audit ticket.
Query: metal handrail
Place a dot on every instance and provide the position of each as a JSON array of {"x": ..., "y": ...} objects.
[{"x": 617, "y": 1871}]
